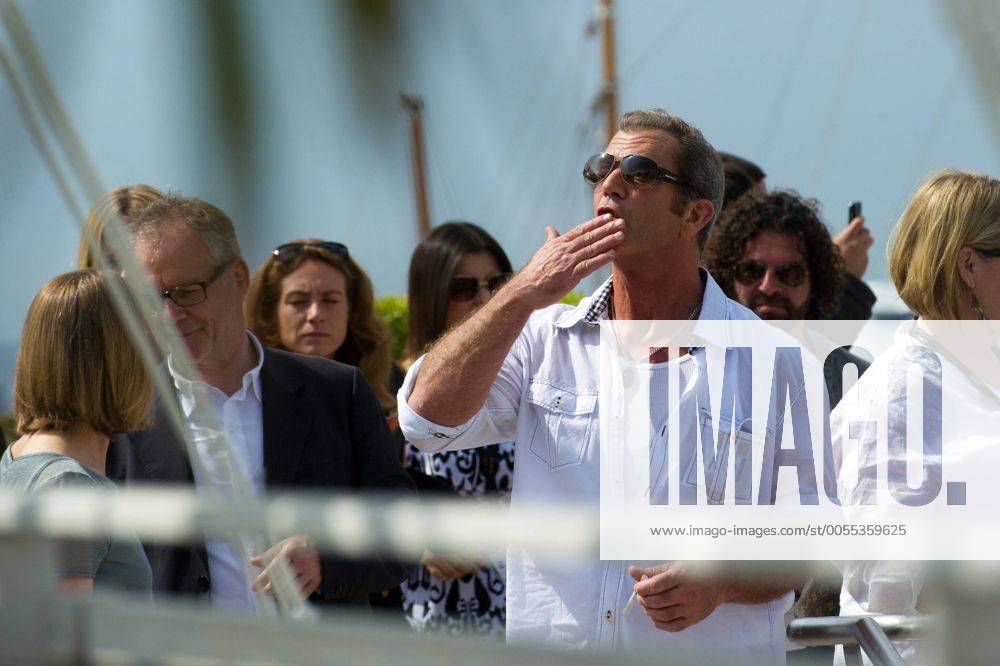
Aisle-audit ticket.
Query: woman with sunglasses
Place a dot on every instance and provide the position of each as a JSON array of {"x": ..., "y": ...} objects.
[
  {"x": 311, "y": 297},
  {"x": 944, "y": 260},
  {"x": 453, "y": 272}
]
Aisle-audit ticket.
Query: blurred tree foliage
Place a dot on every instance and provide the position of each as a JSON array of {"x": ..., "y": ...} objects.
[
  {"x": 8, "y": 430},
  {"x": 393, "y": 311}
]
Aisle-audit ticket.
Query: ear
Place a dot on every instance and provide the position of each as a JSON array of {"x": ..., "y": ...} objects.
[
  {"x": 242, "y": 273},
  {"x": 699, "y": 213},
  {"x": 967, "y": 266}
]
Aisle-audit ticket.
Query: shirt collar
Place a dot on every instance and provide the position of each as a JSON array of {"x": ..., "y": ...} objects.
[
  {"x": 251, "y": 380},
  {"x": 594, "y": 308}
]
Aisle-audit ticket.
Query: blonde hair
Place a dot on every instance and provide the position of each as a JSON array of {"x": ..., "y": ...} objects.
[
  {"x": 126, "y": 201},
  {"x": 367, "y": 345},
  {"x": 950, "y": 210},
  {"x": 76, "y": 364}
]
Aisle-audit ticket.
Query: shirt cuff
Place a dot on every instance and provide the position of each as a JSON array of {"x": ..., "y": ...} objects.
[{"x": 425, "y": 435}]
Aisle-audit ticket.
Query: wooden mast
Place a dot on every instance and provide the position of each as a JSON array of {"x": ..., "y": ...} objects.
[
  {"x": 610, "y": 84},
  {"x": 414, "y": 106}
]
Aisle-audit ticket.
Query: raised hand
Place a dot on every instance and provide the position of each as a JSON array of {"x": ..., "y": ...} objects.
[
  {"x": 564, "y": 260},
  {"x": 853, "y": 243}
]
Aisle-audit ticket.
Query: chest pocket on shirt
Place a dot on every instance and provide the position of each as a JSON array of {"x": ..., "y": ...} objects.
[
  {"x": 564, "y": 421},
  {"x": 726, "y": 444}
]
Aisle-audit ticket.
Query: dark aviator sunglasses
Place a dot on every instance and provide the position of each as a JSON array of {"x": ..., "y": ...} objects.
[
  {"x": 464, "y": 289},
  {"x": 291, "y": 251},
  {"x": 637, "y": 171},
  {"x": 790, "y": 274}
]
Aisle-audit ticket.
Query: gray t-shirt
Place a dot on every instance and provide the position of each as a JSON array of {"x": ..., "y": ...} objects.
[{"x": 114, "y": 563}]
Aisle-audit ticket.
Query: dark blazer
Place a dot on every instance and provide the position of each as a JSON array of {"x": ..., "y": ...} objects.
[
  {"x": 323, "y": 430},
  {"x": 856, "y": 301}
]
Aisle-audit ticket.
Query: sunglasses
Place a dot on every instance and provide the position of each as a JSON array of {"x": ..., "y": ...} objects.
[
  {"x": 637, "y": 171},
  {"x": 790, "y": 274},
  {"x": 465, "y": 289},
  {"x": 988, "y": 251},
  {"x": 291, "y": 251}
]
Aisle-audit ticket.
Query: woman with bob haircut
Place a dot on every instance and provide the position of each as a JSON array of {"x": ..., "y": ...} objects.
[
  {"x": 944, "y": 260},
  {"x": 453, "y": 273},
  {"x": 79, "y": 382},
  {"x": 311, "y": 297},
  {"x": 126, "y": 201}
]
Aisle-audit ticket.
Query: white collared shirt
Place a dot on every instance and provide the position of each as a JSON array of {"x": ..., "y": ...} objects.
[
  {"x": 242, "y": 419},
  {"x": 545, "y": 398}
]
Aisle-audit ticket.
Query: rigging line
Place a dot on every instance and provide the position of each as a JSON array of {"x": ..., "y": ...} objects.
[
  {"x": 792, "y": 61},
  {"x": 920, "y": 156},
  {"x": 132, "y": 274},
  {"x": 24, "y": 46},
  {"x": 656, "y": 47},
  {"x": 530, "y": 125},
  {"x": 555, "y": 209},
  {"x": 558, "y": 137},
  {"x": 34, "y": 131},
  {"x": 433, "y": 150},
  {"x": 576, "y": 151},
  {"x": 838, "y": 96}
]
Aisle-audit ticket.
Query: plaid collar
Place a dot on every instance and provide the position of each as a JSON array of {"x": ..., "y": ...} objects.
[
  {"x": 602, "y": 298},
  {"x": 599, "y": 304}
]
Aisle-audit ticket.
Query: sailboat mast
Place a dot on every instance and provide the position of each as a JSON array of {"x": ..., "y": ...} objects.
[
  {"x": 610, "y": 84},
  {"x": 414, "y": 105}
]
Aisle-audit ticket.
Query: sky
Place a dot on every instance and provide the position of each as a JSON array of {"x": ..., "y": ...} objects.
[{"x": 298, "y": 131}]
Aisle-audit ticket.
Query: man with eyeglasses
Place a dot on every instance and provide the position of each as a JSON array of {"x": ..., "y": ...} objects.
[
  {"x": 526, "y": 369},
  {"x": 291, "y": 421}
]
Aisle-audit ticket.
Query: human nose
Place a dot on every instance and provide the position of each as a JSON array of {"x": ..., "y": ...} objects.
[
  {"x": 172, "y": 310},
  {"x": 315, "y": 312},
  {"x": 770, "y": 284},
  {"x": 613, "y": 186},
  {"x": 483, "y": 294}
]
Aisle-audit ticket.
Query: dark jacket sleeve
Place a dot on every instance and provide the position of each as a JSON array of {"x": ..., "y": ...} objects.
[
  {"x": 856, "y": 301},
  {"x": 375, "y": 467}
]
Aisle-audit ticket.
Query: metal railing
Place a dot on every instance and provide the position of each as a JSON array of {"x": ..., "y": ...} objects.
[{"x": 868, "y": 634}]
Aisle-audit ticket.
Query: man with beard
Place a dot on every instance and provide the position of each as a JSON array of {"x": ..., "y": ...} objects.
[{"x": 772, "y": 253}]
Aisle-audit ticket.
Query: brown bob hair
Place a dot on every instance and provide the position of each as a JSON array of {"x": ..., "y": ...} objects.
[
  {"x": 366, "y": 346},
  {"x": 76, "y": 364},
  {"x": 126, "y": 201}
]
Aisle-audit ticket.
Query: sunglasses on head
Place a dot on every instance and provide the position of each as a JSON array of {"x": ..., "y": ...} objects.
[
  {"x": 290, "y": 251},
  {"x": 465, "y": 289},
  {"x": 637, "y": 171},
  {"x": 790, "y": 274}
]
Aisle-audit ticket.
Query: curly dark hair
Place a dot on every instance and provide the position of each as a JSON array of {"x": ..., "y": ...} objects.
[{"x": 783, "y": 212}]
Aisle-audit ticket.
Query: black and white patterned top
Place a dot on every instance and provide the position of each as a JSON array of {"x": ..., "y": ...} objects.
[{"x": 475, "y": 604}]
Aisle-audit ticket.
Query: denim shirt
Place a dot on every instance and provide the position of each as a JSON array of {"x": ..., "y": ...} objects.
[{"x": 545, "y": 399}]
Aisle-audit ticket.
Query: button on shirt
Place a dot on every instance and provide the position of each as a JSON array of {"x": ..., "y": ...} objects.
[
  {"x": 545, "y": 398},
  {"x": 242, "y": 421}
]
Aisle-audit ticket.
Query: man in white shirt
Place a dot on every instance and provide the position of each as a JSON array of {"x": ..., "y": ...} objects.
[{"x": 522, "y": 370}]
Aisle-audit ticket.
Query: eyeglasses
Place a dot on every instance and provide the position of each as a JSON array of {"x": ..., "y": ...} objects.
[
  {"x": 637, "y": 171},
  {"x": 790, "y": 274},
  {"x": 290, "y": 251},
  {"x": 194, "y": 293},
  {"x": 988, "y": 251},
  {"x": 465, "y": 289}
]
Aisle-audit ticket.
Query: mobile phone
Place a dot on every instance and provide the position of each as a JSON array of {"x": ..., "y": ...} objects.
[{"x": 854, "y": 211}]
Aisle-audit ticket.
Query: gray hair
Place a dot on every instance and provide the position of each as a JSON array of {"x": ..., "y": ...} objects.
[
  {"x": 211, "y": 225},
  {"x": 699, "y": 165}
]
